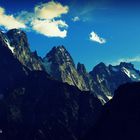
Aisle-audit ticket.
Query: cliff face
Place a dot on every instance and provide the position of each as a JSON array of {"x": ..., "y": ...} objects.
[
  {"x": 59, "y": 64},
  {"x": 19, "y": 42}
]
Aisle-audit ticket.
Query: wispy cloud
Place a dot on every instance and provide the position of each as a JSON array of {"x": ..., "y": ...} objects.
[
  {"x": 130, "y": 59},
  {"x": 45, "y": 19},
  {"x": 86, "y": 12},
  {"x": 75, "y": 19},
  {"x": 95, "y": 38},
  {"x": 9, "y": 21}
]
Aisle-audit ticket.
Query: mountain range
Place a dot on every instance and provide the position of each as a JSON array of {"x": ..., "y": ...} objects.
[
  {"x": 52, "y": 98},
  {"x": 102, "y": 81}
]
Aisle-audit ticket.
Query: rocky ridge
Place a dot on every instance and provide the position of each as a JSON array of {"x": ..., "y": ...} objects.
[{"x": 102, "y": 81}]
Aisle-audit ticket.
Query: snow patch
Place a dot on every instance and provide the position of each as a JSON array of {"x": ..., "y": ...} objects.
[
  {"x": 109, "y": 97},
  {"x": 18, "y": 32},
  {"x": 9, "y": 46},
  {"x": 100, "y": 80},
  {"x": 61, "y": 49},
  {"x": 101, "y": 99},
  {"x": 127, "y": 72},
  {"x": 131, "y": 74}
]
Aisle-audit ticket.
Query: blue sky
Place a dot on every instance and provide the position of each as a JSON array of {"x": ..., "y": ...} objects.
[{"x": 92, "y": 31}]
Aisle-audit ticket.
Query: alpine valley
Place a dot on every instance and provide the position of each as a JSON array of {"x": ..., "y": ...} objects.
[{"x": 52, "y": 98}]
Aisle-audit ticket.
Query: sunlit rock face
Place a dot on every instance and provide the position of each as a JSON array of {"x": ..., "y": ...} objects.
[
  {"x": 81, "y": 69},
  {"x": 59, "y": 64},
  {"x": 19, "y": 42}
]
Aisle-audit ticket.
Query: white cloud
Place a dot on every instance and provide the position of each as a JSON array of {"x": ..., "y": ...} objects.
[
  {"x": 45, "y": 21},
  {"x": 9, "y": 21},
  {"x": 94, "y": 37},
  {"x": 50, "y": 28},
  {"x": 75, "y": 19},
  {"x": 50, "y": 10}
]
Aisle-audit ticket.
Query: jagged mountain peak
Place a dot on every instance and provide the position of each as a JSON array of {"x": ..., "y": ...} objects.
[
  {"x": 16, "y": 32},
  {"x": 121, "y": 66},
  {"x": 18, "y": 38},
  {"x": 35, "y": 54},
  {"x": 17, "y": 42},
  {"x": 60, "y": 65},
  {"x": 101, "y": 64},
  {"x": 61, "y": 48},
  {"x": 60, "y": 55},
  {"x": 81, "y": 68},
  {"x": 127, "y": 65},
  {"x": 100, "y": 68},
  {"x": 57, "y": 49}
]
